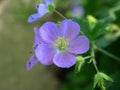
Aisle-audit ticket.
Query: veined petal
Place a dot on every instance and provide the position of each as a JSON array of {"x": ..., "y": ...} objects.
[
  {"x": 49, "y": 32},
  {"x": 45, "y": 54},
  {"x": 37, "y": 38},
  {"x": 33, "y": 17},
  {"x": 64, "y": 60},
  {"x": 79, "y": 45},
  {"x": 69, "y": 29},
  {"x": 42, "y": 9},
  {"x": 31, "y": 62}
]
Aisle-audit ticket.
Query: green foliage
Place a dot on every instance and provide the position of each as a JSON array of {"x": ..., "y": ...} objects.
[
  {"x": 84, "y": 27},
  {"x": 98, "y": 29},
  {"x": 99, "y": 80},
  {"x": 79, "y": 81},
  {"x": 100, "y": 32}
]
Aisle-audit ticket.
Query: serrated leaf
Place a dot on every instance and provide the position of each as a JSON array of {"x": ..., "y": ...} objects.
[{"x": 100, "y": 27}]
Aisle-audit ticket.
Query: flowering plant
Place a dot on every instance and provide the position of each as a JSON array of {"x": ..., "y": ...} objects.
[{"x": 63, "y": 44}]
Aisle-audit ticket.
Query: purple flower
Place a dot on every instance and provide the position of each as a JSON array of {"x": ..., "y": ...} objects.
[
  {"x": 61, "y": 44},
  {"x": 77, "y": 11},
  {"x": 42, "y": 9},
  {"x": 33, "y": 59}
]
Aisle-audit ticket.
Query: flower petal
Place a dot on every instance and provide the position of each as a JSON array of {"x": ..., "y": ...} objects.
[
  {"x": 33, "y": 17},
  {"x": 64, "y": 60},
  {"x": 69, "y": 29},
  {"x": 42, "y": 9},
  {"x": 49, "y": 32},
  {"x": 48, "y": 2},
  {"x": 79, "y": 45},
  {"x": 31, "y": 62},
  {"x": 37, "y": 38},
  {"x": 45, "y": 54}
]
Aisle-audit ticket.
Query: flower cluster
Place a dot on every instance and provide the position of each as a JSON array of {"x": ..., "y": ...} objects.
[
  {"x": 62, "y": 43},
  {"x": 56, "y": 44}
]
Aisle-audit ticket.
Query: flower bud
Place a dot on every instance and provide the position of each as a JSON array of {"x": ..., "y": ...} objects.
[
  {"x": 79, "y": 63},
  {"x": 99, "y": 79}
]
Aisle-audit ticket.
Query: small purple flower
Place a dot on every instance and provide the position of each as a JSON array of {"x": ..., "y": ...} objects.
[
  {"x": 61, "y": 44},
  {"x": 77, "y": 11},
  {"x": 42, "y": 9},
  {"x": 33, "y": 59}
]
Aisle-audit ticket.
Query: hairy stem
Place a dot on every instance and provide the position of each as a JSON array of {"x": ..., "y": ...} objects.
[{"x": 60, "y": 14}]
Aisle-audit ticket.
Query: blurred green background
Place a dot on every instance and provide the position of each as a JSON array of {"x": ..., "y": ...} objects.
[{"x": 16, "y": 38}]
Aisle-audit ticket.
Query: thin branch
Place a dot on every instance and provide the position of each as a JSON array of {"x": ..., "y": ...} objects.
[
  {"x": 107, "y": 53},
  {"x": 93, "y": 60},
  {"x": 60, "y": 14}
]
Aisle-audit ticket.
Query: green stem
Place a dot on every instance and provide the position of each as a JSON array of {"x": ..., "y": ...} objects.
[
  {"x": 60, "y": 14},
  {"x": 117, "y": 8},
  {"x": 94, "y": 61},
  {"x": 113, "y": 10},
  {"x": 87, "y": 57},
  {"x": 82, "y": 33},
  {"x": 107, "y": 53}
]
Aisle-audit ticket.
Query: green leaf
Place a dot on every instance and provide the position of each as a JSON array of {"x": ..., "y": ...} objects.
[
  {"x": 79, "y": 64},
  {"x": 84, "y": 27},
  {"x": 100, "y": 27}
]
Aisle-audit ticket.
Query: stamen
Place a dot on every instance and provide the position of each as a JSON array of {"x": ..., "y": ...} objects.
[{"x": 61, "y": 43}]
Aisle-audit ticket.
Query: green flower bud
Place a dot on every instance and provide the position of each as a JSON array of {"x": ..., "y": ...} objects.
[
  {"x": 92, "y": 21},
  {"x": 79, "y": 63},
  {"x": 99, "y": 79},
  {"x": 51, "y": 8}
]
